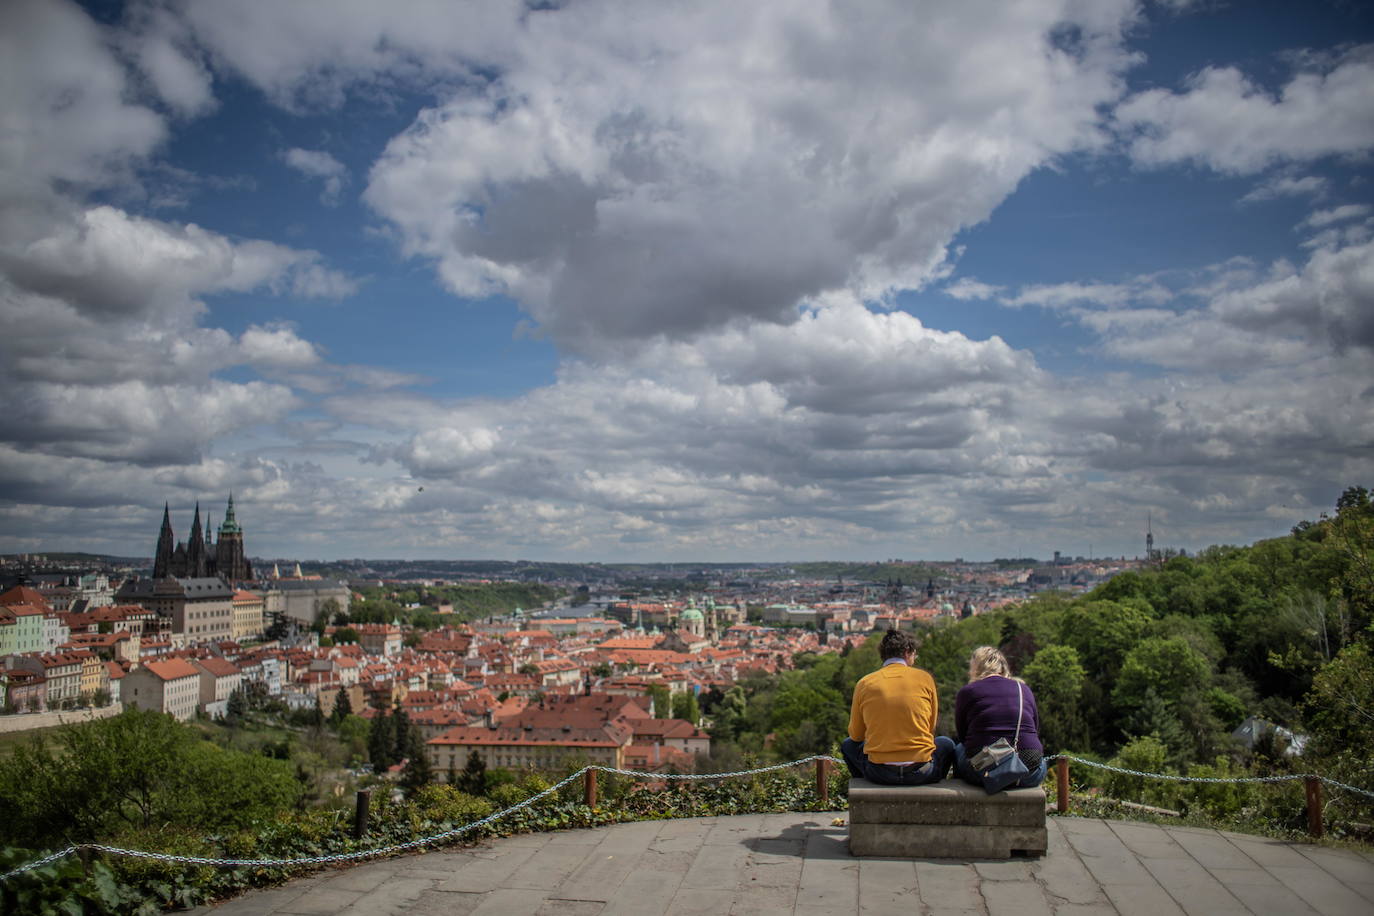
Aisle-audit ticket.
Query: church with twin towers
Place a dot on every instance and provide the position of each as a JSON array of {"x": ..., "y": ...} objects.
[{"x": 201, "y": 555}]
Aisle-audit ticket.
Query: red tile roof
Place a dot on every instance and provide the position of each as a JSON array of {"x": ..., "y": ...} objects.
[
  {"x": 171, "y": 669},
  {"x": 22, "y": 594}
]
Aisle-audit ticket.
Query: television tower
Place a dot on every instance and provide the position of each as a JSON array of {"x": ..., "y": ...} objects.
[{"x": 1149, "y": 538}]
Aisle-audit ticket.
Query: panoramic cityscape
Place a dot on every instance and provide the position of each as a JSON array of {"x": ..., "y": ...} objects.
[{"x": 698, "y": 457}]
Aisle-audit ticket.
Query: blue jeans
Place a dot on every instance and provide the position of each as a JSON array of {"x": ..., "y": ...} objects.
[
  {"x": 965, "y": 771},
  {"x": 889, "y": 774}
]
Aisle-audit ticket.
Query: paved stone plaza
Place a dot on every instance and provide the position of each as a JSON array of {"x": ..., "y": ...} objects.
[{"x": 799, "y": 863}]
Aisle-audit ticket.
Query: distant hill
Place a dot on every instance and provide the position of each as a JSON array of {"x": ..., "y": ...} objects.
[{"x": 78, "y": 559}]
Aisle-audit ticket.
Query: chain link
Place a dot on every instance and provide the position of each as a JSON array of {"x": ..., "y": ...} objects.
[
  {"x": 491, "y": 818},
  {"x": 1233, "y": 779}
]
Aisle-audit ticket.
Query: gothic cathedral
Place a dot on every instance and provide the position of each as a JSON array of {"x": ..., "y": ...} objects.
[{"x": 201, "y": 556}]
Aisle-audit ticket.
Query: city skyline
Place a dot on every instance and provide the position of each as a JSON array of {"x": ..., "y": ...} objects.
[{"x": 607, "y": 282}]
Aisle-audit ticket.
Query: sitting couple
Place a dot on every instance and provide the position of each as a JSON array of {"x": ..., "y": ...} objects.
[{"x": 892, "y": 738}]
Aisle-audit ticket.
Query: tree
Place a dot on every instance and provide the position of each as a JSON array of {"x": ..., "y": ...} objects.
[
  {"x": 1351, "y": 537},
  {"x": 401, "y": 739},
  {"x": 1056, "y": 676},
  {"x": 1340, "y": 714},
  {"x": 133, "y": 771},
  {"x": 381, "y": 743},
  {"x": 685, "y": 707},
  {"x": 343, "y": 707},
  {"x": 419, "y": 772},
  {"x": 353, "y": 734},
  {"x": 331, "y": 610},
  {"x": 1171, "y": 667},
  {"x": 237, "y": 707},
  {"x": 602, "y": 669},
  {"x": 662, "y": 701},
  {"x": 347, "y": 635},
  {"x": 473, "y": 779}
]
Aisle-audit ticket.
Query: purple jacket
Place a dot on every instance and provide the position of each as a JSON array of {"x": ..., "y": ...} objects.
[{"x": 985, "y": 710}]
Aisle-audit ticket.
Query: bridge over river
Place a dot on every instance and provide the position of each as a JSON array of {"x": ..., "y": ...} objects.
[{"x": 799, "y": 863}]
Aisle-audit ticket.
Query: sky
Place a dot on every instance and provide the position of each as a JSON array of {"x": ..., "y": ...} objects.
[{"x": 622, "y": 281}]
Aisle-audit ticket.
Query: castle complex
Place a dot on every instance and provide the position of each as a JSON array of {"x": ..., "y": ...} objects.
[{"x": 201, "y": 556}]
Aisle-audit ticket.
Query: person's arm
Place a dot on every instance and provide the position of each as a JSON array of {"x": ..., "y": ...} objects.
[
  {"x": 961, "y": 705},
  {"x": 856, "y": 716},
  {"x": 934, "y": 710}
]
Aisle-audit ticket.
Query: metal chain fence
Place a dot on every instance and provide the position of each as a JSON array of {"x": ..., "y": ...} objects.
[{"x": 467, "y": 828}]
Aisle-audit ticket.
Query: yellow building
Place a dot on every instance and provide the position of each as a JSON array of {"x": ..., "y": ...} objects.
[{"x": 249, "y": 610}]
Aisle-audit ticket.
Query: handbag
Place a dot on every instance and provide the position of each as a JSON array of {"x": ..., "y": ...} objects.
[{"x": 1006, "y": 766}]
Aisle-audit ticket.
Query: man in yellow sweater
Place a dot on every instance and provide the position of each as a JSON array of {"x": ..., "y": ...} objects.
[{"x": 892, "y": 738}]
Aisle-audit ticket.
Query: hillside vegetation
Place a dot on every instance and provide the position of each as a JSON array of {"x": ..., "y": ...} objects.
[{"x": 1154, "y": 668}]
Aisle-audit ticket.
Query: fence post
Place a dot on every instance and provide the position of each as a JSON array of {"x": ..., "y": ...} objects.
[
  {"x": 1061, "y": 782},
  {"x": 86, "y": 855},
  {"x": 1314, "y": 805},
  {"x": 589, "y": 787},
  {"x": 360, "y": 817},
  {"x": 823, "y": 781}
]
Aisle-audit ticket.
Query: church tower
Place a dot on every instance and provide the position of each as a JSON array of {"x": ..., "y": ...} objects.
[
  {"x": 196, "y": 566},
  {"x": 162, "y": 560},
  {"x": 230, "y": 562}
]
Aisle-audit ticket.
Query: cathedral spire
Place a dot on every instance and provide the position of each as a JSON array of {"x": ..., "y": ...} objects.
[
  {"x": 231, "y": 524},
  {"x": 230, "y": 564},
  {"x": 162, "y": 560},
  {"x": 196, "y": 566}
]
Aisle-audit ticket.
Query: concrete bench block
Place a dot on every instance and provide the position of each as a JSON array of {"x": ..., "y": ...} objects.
[{"x": 950, "y": 819}]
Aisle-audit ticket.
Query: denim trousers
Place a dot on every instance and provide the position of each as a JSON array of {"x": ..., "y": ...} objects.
[{"x": 888, "y": 774}]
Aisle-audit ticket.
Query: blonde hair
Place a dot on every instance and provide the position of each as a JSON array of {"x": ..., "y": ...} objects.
[{"x": 987, "y": 661}]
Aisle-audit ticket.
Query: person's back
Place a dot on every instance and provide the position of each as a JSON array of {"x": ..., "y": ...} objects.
[
  {"x": 895, "y": 710},
  {"x": 892, "y": 721}
]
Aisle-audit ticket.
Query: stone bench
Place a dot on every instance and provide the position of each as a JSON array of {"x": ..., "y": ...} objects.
[{"x": 947, "y": 820}]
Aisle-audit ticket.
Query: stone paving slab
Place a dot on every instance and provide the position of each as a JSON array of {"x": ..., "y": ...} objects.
[{"x": 799, "y": 865}]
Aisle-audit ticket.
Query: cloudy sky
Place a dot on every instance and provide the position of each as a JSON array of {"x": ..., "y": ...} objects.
[{"x": 613, "y": 280}]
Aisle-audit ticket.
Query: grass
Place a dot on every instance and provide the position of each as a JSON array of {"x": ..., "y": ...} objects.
[{"x": 11, "y": 740}]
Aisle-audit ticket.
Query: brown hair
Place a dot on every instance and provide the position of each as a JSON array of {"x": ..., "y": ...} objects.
[{"x": 896, "y": 644}]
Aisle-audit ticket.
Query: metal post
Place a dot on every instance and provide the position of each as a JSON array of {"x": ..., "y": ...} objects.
[
  {"x": 86, "y": 856},
  {"x": 589, "y": 787},
  {"x": 1061, "y": 782},
  {"x": 1314, "y": 805},
  {"x": 360, "y": 818},
  {"x": 823, "y": 781}
]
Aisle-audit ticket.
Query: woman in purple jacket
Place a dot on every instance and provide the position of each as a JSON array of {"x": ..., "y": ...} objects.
[{"x": 986, "y": 709}]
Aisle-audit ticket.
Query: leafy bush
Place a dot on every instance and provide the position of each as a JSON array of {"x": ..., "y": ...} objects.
[
  {"x": 62, "y": 887},
  {"x": 443, "y": 803}
]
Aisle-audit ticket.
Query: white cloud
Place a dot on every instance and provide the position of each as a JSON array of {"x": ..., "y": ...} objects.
[
  {"x": 107, "y": 261},
  {"x": 967, "y": 288},
  {"x": 1330, "y": 300},
  {"x": 1249, "y": 319},
  {"x": 1226, "y": 121},
  {"x": 137, "y": 421},
  {"x": 1099, "y": 295},
  {"x": 1320, "y": 219},
  {"x": 321, "y": 165},
  {"x": 1287, "y": 186},
  {"x": 277, "y": 346},
  {"x": 66, "y": 118},
  {"x": 162, "y": 48},
  {"x": 693, "y": 201},
  {"x": 677, "y": 169}
]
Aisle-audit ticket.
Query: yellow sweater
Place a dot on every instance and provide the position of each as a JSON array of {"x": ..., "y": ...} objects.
[{"x": 894, "y": 714}]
